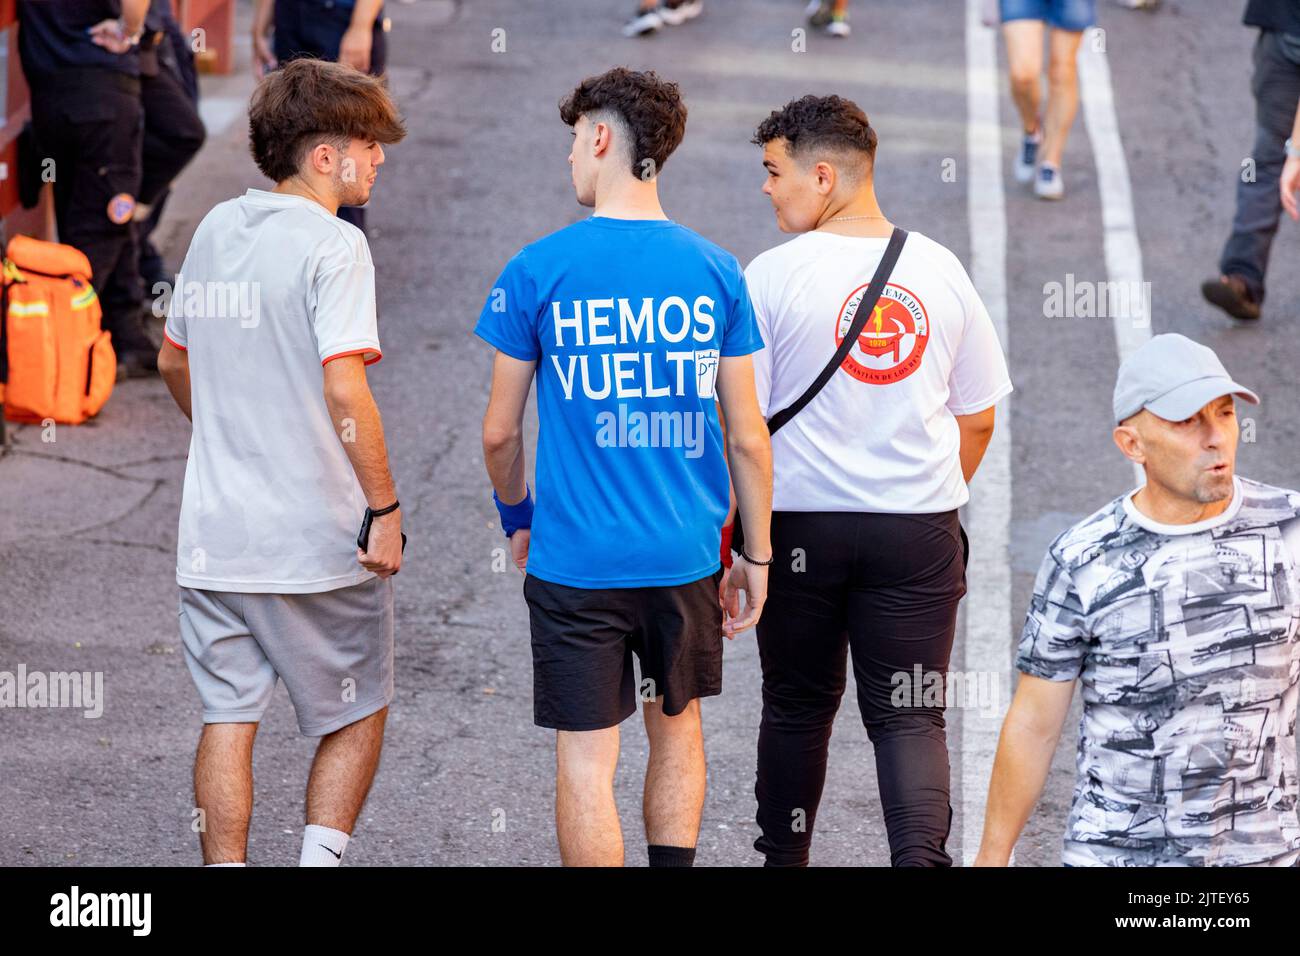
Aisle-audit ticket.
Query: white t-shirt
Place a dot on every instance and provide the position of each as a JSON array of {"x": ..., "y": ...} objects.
[
  {"x": 272, "y": 288},
  {"x": 881, "y": 435}
]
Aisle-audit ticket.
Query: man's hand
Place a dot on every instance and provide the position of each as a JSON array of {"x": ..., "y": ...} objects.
[
  {"x": 384, "y": 556},
  {"x": 750, "y": 578},
  {"x": 264, "y": 60},
  {"x": 519, "y": 548},
  {"x": 354, "y": 50},
  {"x": 109, "y": 35},
  {"x": 1289, "y": 184}
]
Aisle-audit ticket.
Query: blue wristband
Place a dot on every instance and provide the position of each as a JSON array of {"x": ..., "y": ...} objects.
[{"x": 516, "y": 516}]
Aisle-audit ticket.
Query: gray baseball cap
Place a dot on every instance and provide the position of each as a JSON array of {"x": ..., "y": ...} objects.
[{"x": 1173, "y": 378}]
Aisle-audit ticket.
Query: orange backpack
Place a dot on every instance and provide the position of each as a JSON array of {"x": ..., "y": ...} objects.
[{"x": 61, "y": 365}]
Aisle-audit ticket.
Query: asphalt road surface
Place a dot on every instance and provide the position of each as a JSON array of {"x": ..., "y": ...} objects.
[{"x": 88, "y": 520}]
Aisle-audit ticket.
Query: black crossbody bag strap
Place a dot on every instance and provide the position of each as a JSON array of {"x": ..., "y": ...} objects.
[
  {"x": 865, "y": 307},
  {"x": 869, "y": 300}
]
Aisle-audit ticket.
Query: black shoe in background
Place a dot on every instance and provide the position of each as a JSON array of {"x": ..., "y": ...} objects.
[{"x": 1231, "y": 294}]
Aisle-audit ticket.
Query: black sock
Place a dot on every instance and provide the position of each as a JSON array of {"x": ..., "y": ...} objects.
[{"x": 672, "y": 855}]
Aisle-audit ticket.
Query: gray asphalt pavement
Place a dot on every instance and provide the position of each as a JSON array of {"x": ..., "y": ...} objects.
[{"x": 88, "y": 520}]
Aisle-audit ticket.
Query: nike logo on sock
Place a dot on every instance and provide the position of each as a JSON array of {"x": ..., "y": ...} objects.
[{"x": 338, "y": 855}]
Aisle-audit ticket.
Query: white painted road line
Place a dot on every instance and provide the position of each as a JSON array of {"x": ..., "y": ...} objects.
[
  {"x": 988, "y": 600},
  {"x": 1123, "y": 251}
]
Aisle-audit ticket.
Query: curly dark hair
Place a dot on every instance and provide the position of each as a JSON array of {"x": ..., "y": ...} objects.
[
  {"x": 651, "y": 107},
  {"x": 814, "y": 123},
  {"x": 310, "y": 101}
]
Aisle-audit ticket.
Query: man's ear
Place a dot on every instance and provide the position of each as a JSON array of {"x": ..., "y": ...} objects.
[
  {"x": 1129, "y": 443},
  {"x": 601, "y": 136},
  {"x": 826, "y": 177},
  {"x": 321, "y": 158}
]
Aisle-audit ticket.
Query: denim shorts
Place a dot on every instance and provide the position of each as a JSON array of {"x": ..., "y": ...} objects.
[{"x": 1073, "y": 15}]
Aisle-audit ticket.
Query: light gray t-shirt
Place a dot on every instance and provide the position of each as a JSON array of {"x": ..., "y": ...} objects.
[{"x": 273, "y": 287}]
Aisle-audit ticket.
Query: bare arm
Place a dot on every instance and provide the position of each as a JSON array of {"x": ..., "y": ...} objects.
[
  {"x": 354, "y": 48},
  {"x": 356, "y": 421},
  {"x": 1029, "y": 736},
  {"x": 174, "y": 366},
  {"x": 503, "y": 439},
  {"x": 1290, "y": 181},
  {"x": 133, "y": 14},
  {"x": 263, "y": 58},
  {"x": 976, "y": 432},
  {"x": 749, "y": 454}
]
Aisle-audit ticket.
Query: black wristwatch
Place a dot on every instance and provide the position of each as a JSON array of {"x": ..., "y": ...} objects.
[{"x": 363, "y": 539}]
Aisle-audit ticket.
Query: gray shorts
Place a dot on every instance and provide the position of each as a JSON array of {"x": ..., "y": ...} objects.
[{"x": 334, "y": 650}]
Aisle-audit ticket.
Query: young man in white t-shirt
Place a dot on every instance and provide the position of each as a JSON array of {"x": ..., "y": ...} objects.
[
  {"x": 868, "y": 477},
  {"x": 269, "y": 330}
]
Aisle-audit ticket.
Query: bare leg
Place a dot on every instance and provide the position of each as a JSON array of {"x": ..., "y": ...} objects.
[
  {"x": 223, "y": 790},
  {"x": 586, "y": 817},
  {"x": 1025, "y": 65},
  {"x": 1063, "y": 94},
  {"x": 343, "y": 771},
  {"x": 675, "y": 775}
]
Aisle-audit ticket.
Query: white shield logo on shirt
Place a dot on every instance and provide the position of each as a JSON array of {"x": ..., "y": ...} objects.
[{"x": 706, "y": 372}]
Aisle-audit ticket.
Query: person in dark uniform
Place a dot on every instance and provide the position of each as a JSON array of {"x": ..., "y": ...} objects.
[
  {"x": 82, "y": 63},
  {"x": 173, "y": 131},
  {"x": 1239, "y": 287},
  {"x": 350, "y": 32}
]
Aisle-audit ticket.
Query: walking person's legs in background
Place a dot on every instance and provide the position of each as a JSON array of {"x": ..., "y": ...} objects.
[
  {"x": 1045, "y": 129},
  {"x": 902, "y": 614},
  {"x": 1062, "y": 93},
  {"x": 803, "y": 650},
  {"x": 1024, "y": 39},
  {"x": 1275, "y": 83}
]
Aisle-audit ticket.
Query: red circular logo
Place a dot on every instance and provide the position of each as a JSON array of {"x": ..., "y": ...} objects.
[{"x": 891, "y": 344}]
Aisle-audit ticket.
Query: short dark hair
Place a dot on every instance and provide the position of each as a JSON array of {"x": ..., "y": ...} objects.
[
  {"x": 814, "y": 124},
  {"x": 651, "y": 107},
  {"x": 307, "y": 101}
]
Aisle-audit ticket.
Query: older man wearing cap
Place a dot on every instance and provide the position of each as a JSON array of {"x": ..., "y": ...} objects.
[{"x": 1176, "y": 607}]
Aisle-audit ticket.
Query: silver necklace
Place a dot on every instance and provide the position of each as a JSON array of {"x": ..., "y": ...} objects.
[{"x": 847, "y": 218}]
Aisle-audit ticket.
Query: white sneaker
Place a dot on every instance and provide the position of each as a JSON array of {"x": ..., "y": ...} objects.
[
  {"x": 683, "y": 11},
  {"x": 838, "y": 27},
  {"x": 643, "y": 23},
  {"x": 1048, "y": 183},
  {"x": 1137, "y": 4},
  {"x": 1027, "y": 158}
]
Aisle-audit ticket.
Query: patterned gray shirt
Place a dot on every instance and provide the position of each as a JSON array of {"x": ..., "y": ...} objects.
[{"x": 1184, "y": 638}]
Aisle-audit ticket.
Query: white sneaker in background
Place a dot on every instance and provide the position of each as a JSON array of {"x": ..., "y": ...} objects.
[
  {"x": 1027, "y": 158},
  {"x": 1048, "y": 183},
  {"x": 643, "y": 23},
  {"x": 679, "y": 13}
]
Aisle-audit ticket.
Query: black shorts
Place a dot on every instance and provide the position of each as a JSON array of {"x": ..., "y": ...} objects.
[{"x": 583, "y": 640}]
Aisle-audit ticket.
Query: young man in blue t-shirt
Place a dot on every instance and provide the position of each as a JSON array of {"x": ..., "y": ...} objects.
[{"x": 636, "y": 327}]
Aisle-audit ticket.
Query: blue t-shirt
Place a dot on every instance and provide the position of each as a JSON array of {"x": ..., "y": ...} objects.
[{"x": 626, "y": 319}]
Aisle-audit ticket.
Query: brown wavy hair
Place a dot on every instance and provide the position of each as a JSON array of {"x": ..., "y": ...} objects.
[
  {"x": 811, "y": 124},
  {"x": 651, "y": 107},
  {"x": 309, "y": 101}
]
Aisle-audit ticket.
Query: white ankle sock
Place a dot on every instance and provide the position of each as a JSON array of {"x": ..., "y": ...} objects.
[
  {"x": 224, "y": 864},
  {"x": 322, "y": 846}
]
